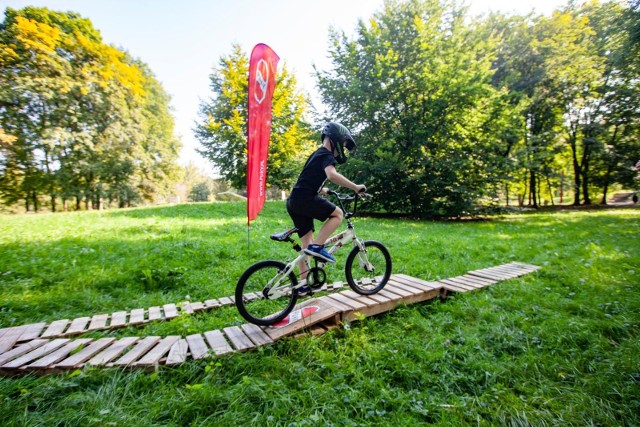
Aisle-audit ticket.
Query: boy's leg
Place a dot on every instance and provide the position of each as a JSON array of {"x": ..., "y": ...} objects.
[
  {"x": 329, "y": 227},
  {"x": 302, "y": 265}
]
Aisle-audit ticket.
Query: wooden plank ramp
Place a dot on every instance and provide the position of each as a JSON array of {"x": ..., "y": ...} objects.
[{"x": 42, "y": 348}]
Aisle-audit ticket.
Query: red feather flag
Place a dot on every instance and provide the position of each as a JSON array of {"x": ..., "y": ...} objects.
[{"x": 262, "y": 82}]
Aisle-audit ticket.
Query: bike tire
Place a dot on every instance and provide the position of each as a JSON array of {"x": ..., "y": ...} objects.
[
  {"x": 259, "y": 310},
  {"x": 365, "y": 282}
]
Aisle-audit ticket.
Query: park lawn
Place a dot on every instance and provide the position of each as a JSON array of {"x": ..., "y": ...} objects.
[{"x": 555, "y": 347}]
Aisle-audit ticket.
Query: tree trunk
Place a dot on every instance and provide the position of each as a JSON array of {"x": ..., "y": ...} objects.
[
  {"x": 533, "y": 193},
  {"x": 506, "y": 190},
  {"x": 605, "y": 188},
  {"x": 34, "y": 194},
  {"x": 585, "y": 187}
]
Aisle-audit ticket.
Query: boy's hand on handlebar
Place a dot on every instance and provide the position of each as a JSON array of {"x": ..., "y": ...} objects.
[{"x": 361, "y": 188}]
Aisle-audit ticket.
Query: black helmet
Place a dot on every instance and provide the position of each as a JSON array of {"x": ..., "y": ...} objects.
[{"x": 340, "y": 137}]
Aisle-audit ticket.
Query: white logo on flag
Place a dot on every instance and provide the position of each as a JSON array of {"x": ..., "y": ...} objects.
[{"x": 262, "y": 80}]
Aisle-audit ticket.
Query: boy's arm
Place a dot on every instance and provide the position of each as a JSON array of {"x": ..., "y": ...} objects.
[{"x": 337, "y": 178}]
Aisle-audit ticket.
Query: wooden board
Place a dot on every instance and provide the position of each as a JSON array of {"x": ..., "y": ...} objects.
[
  {"x": 185, "y": 307},
  {"x": 197, "y": 306},
  {"x": 465, "y": 283},
  {"x": 338, "y": 306},
  {"x": 360, "y": 298},
  {"x": 396, "y": 290},
  {"x": 217, "y": 342},
  {"x": 477, "y": 280},
  {"x": 335, "y": 285},
  {"x": 446, "y": 287},
  {"x": 506, "y": 273},
  {"x": 99, "y": 321},
  {"x": 21, "y": 349},
  {"x": 170, "y": 311},
  {"x": 197, "y": 346},
  {"x": 118, "y": 319},
  {"x": 78, "y": 326},
  {"x": 155, "y": 313},
  {"x": 251, "y": 296},
  {"x": 52, "y": 358},
  {"x": 388, "y": 294},
  {"x": 422, "y": 284},
  {"x": 238, "y": 339},
  {"x": 489, "y": 274},
  {"x": 31, "y": 332},
  {"x": 136, "y": 352},
  {"x": 345, "y": 300},
  {"x": 324, "y": 311},
  {"x": 56, "y": 328},
  {"x": 10, "y": 337},
  {"x": 379, "y": 298},
  {"x": 115, "y": 350},
  {"x": 212, "y": 303},
  {"x": 35, "y": 354},
  {"x": 158, "y": 352},
  {"x": 225, "y": 301},
  {"x": 85, "y": 354},
  {"x": 137, "y": 316},
  {"x": 455, "y": 287},
  {"x": 256, "y": 334},
  {"x": 178, "y": 352},
  {"x": 414, "y": 289}
]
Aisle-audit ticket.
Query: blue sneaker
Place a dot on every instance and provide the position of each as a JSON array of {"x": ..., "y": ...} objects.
[
  {"x": 304, "y": 291},
  {"x": 320, "y": 252}
]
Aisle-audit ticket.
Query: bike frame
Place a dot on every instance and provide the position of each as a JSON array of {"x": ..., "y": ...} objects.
[{"x": 276, "y": 289}]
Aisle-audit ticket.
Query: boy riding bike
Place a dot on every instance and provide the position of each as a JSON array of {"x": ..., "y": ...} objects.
[{"x": 305, "y": 202}]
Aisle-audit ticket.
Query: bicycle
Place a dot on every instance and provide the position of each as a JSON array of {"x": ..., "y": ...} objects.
[{"x": 268, "y": 290}]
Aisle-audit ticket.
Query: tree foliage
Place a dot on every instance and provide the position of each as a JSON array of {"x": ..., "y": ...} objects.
[
  {"x": 89, "y": 123},
  {"x": 222, "y": 127},
  {"x": 450, "y": 113},
  {"x": 415, "y": 83}
]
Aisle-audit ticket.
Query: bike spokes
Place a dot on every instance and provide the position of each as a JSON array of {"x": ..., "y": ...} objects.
[
  {"x": 368, "y": 271},
  {"x": 263, "y": 295}
]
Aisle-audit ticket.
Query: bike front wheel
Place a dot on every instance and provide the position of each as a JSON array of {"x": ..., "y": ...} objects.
[
  {"x": 255, "y": 290},
  {"x": 368, "y": 271}
]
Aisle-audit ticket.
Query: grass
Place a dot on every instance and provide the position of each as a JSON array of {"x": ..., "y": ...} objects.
[{"x": 557, "y": 347}]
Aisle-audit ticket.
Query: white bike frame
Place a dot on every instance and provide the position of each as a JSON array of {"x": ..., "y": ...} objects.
[{"x": 338, "y": 241}]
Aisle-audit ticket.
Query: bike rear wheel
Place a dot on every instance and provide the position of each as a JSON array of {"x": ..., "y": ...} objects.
[
  {"x": 368, "y": 271},
  {"x": 252, "y": 298}
]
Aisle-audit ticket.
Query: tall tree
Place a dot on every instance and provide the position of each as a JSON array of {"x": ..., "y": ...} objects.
[
  {"x": 79, "y": 110},
  {"x": 222, "y": 131},
  {"x": 617, "y": 129},
  {"x": 415, "y": 84}
]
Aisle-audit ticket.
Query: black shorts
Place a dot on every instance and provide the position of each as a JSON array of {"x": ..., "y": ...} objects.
[{"x": 303, "y": 212}]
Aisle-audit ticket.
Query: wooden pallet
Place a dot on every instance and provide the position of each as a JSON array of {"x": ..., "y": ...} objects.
[{"x": 43, "y": 348}]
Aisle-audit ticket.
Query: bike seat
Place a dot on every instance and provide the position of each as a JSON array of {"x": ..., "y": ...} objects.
[{"x": 285, "y": 236}]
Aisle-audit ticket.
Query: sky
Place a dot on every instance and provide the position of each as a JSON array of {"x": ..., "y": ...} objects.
[{"x": 183, "y": 40}]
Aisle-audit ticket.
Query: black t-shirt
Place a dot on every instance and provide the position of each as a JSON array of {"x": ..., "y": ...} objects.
[{"x": 313, "y": 175}]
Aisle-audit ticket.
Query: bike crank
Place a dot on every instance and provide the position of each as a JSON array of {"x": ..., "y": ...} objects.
[{"x": 316, "y": 278}]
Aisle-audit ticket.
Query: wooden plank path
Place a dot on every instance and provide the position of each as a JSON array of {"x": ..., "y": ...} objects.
[{"x": 43, "y": 348}]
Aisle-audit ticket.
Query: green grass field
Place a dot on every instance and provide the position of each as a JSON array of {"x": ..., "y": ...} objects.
[{"x": 557, "y": 347}]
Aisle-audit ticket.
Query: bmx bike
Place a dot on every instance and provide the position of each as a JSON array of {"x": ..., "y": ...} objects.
[{"x": 268, "y": 290}]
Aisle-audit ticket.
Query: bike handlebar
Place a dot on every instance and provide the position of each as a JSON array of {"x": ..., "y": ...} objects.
[{"x": 349, "y": 198}]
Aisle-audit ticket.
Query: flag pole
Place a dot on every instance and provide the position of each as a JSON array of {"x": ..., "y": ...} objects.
[{"x": 248, "y": 240}]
